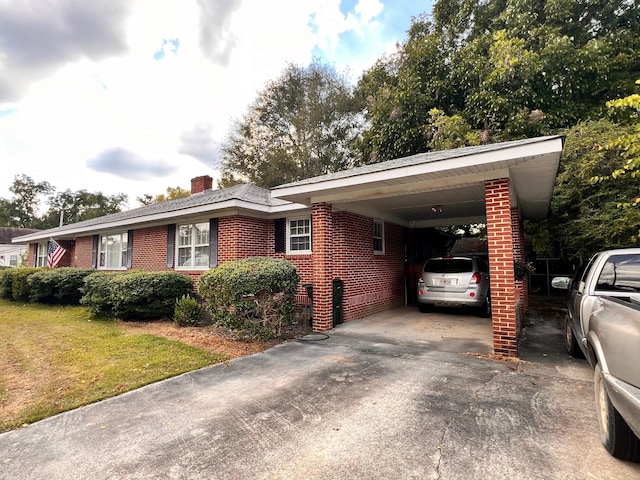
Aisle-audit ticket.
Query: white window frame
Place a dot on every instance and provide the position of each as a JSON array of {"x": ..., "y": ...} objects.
[
  {"x": 41, "y": 258},
  {"x": 291, "y": 236},
  {"x": 192, "y": 246},
  {"x": 103, "y": 262},
  {"x": 13, "y": 259},
  {"x": 379, "y": 237}
]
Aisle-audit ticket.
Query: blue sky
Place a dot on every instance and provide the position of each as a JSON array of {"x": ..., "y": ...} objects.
[{"x": 134, "y": 96}]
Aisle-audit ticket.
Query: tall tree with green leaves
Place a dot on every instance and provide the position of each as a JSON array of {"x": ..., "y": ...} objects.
[
  {"x": 301, "y": 125},
  {"x": 78, "y": 206},
  {"x": 508, "y": 68},
  {"x": 171, "y": 194},
  {"x": 22, "y": 209}
]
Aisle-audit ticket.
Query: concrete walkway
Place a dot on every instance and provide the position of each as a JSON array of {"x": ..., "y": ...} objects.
[{"x": 365, "y": 402}]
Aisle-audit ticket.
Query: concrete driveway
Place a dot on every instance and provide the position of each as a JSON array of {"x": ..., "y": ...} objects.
[{"x": 364, "y": 402}]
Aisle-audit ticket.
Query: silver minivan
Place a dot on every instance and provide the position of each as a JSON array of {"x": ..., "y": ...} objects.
[{"x": 455, "y": 282}]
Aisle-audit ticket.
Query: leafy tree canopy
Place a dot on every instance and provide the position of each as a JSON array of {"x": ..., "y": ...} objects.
[
  {"x": 171, "y": 194},
  {"x": 23, "y": 209},
  {"x": 301, "y": 125}
]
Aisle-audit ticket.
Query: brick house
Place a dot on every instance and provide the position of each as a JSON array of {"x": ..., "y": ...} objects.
[{"x": 350, "y": 225}]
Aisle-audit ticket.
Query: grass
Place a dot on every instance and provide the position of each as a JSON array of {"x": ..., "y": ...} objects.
[{"x": 54, "y": 359}]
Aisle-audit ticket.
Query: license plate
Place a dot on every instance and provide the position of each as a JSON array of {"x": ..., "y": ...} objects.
[{"x": 445, "y": 281}]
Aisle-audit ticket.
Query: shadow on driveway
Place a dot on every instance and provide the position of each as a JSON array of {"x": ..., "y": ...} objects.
[{"x": 363, "y": 401}]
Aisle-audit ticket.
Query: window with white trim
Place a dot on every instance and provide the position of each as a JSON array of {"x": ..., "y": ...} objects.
[
  {"x": 112, "y": 251},
  {"x": 192, "y": 246},
  {"x": 299, "y": 235},
  {"x": 13, "y": 260},
  {"x": 378, "y": 237},
  {"x": 41, "y": 259}
]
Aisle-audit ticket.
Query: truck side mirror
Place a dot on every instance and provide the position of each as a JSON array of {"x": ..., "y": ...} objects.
[{"x": 561, "y": 283}]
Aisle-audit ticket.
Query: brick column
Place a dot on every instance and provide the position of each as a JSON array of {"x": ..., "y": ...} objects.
[
  {"x": 500, "y": 235},
  {"x": 519, "y": 253},
  {"x": 322, "y": 235}
]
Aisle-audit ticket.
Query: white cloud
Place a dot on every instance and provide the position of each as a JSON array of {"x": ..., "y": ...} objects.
[{"x": 84, "y": 85}]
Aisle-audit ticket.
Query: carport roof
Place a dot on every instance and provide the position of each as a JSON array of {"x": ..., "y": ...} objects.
[{"x": 439, "y": 188}]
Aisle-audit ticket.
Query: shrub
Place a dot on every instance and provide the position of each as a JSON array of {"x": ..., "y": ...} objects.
[
  {"x": 57, "y": 285},
  {"x": 187, "y": 312},
  {"x": 135, "y": 295},
  {"x": 6, "y": 280},
  {"x": 19, "y": 282},
  {"x": 256, "y": 295},
  {"x": 96, "y": 293}
]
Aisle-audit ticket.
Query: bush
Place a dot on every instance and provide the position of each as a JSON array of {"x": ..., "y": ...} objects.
[
  {"x": 255, "y": 295},
  {"x": 187, "y": 312},
  {"x": 57, "y": 285},
  {"x": 96, "y": 293},
  {"x": 6, "y": 280},
  {"x": 19, "y": 283},
  {"x": 135, "y": 295}
]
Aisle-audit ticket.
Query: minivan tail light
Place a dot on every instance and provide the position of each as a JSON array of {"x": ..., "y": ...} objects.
[{"x": 476, "y": 278}]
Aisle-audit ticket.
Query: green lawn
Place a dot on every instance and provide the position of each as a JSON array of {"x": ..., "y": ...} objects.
[{"x": 54, "y": 359}]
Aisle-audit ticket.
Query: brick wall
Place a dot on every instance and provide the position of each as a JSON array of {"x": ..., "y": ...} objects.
[
  {"x": 150, "y": 249},
  {"x": 82, "y": 252},
  {"x": 500, "y": 241},
  {"x": 372, "y": 283}
]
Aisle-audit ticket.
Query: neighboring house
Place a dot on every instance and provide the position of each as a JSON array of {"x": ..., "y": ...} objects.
[
  {"x": 352, "y": 226},
  {"x": 11, "y": 254}
]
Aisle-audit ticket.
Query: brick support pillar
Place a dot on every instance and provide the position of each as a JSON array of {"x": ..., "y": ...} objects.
[
  {"x": 322, "y": 235},
  {"x": 519, "y": 253},
  {"x": 500, "y": 233}
]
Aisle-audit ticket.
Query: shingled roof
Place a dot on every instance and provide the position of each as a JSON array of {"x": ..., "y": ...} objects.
[{"x": 247, "y": 196}]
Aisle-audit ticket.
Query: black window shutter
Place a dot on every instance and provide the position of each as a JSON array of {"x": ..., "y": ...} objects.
[
  {"x": 35, "y": 256},
  {"x": 281, "y": 235},
  {"x": 171, "y": 238},
  {"x": 94, "y": 251},
  {"x": 129, "y": 248},
  {"x": 213, "y": 242}
]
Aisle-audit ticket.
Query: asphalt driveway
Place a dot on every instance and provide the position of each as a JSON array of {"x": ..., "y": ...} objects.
[{"x": 364, "y": 402}]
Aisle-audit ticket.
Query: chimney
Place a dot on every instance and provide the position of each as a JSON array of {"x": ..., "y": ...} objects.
[{"x": 200, "y": 184}]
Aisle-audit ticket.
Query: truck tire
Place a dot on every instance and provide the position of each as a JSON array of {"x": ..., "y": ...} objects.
[
  {"x": 615, "y": 434},
  {"x": 570, "y": 341}
]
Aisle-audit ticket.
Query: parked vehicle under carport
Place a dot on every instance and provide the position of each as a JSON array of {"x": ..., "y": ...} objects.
[{"x": 455, "y": 282}]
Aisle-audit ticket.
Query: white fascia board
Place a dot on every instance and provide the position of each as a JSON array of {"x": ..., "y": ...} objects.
[
  {"x": 230, "y": 207},
  {"x": 511, "y": 155}
]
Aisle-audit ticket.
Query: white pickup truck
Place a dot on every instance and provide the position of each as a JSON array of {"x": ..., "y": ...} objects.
[{"x": 603, "y": 324}]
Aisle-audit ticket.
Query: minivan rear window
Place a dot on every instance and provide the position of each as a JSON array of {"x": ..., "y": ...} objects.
[{"x": 448, "y": 265}]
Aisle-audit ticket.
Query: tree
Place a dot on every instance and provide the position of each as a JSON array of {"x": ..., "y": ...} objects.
[
  {"x": 172, "y": 194},
  {"x": 508, "y": 68},
  {"x": 22, "y": 209},
  {"x": 585, "y": 214},
  {"x": 301, "y": 125},
  {"x": 79, "y": 206}
]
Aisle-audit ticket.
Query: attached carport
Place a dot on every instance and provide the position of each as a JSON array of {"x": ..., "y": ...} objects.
[{"x": 499, "y": 184}]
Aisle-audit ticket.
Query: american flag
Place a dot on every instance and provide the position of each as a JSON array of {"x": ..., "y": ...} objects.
[{"x": 54, "y": 253}]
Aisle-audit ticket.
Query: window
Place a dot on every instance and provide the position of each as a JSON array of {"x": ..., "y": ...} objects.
[
  {"x": 193, "y": 246},
  {"x": 299, "y": 235},
  {"x": 620, "y": 274},
  {"x": 378, "y": 237},
  {"x": 13, "y": 260},
  {"x": 41, "y": 259},
  {"x": 112, "y": 253}
]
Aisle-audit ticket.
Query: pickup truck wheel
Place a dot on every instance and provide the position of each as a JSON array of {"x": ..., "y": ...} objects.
[
  {"x": 570, "y": 340},
  {"x": 615, "y": 434}
]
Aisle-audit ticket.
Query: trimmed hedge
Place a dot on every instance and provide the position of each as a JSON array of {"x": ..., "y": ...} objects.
[
  {"x": 135, "y": 295},
  {"x": 20, "y": 282},
  {"x": 255, "y": 294},
  {"x": 6, "y": 280},
  {"x": 57, "y": 285}
]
